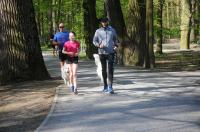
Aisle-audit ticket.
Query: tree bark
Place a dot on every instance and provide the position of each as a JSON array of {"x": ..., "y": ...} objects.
[
  {"x": 90, "y": 26},
  {"x": 38, "y": 17},
  {"x": 58, "y": 20},
  {"x": 159, "y": 23},
  {"x": 185, "y": 24},
  {"x": 134, "y": 51},
  {"x": 50, "y": 23},
  {"x": 178, "y": 8},
  {"x": 149, "y": 57},
  {"x": 114, "y": 13},
  {"x": 193, "y": 22},
  {"x": 197, "y": 20},
  {"x": 167, "y": 12},
  {"x": 115, "y": 16},
  {"x": 42, "y": 23},
  {"x": 20, "y": 52},
  {"x": 54, "y": 16}
]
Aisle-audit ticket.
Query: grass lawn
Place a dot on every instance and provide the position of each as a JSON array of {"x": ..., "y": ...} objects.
[{"x": 179, "y": 61}]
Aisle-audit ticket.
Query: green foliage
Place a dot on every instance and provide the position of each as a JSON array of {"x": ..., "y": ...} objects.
[
  {"x": 71, "y": 13},
  {"x": 171, "y": 28},
  {"x": 46, "y": 47},
  {"x": 172, "y": 32},
  {"x": 124, "y": 6},
  {"x": 100, "y": 8},
  {"x": 83, "y": 56}
]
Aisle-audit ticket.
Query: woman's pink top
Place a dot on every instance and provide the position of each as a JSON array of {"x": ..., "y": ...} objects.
[{"x": 72, "y": 46}]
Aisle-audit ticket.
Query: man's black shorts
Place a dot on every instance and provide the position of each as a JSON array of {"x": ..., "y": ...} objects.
[
  {"x": 53, "y": 46},
  {"x": 62, "y": 56}
]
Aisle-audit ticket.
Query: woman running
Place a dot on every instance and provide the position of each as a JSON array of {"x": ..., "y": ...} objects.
[{"x": 72, "y": 48}]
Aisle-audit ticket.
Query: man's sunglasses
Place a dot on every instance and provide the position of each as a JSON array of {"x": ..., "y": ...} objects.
[{"x": 61, "y": 27}]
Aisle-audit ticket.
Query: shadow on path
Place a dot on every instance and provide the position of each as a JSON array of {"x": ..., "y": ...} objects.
[{"x": 144, "y": 101}]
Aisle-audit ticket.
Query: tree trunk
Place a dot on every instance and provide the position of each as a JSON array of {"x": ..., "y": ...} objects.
[
  {"x": 135, "y": 50},
  {"x": 149, "y": 57},
  {"x": 177, "y": 13},
  {"x": 42, "y": 23},
  {"x": 115, "y": 16},
  {"x": 73, "y": 13},
  {"x": 38, "y": 15},
  {"x": 172, "y": 15},
  {"x": 197, "y": 20},
  {"x": 185, "y": 24},
  {"x": 159, "y": 23},
  {"x": 193, "y": 22},
  {"x": 20, "y": 52},
  {"x": 178, "y": 8},
  {"x": 90, "y": 26},
  {"x": 54, "y": 16},
  {"x": 168, "y": 20},
  {"x": 50, "y": 25},
  {"x": 58, "y": 20}
]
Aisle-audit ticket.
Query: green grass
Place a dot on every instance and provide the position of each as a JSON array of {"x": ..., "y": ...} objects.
[
  {"x": 83, "y": 56},
  {"x": 180, "y": 60},
  {"x": 45, "y": 47}
]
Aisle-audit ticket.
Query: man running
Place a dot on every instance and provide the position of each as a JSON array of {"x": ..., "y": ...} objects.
[
  {"x": 59, "y": 39},
  {"x": 105, "y": 39}
]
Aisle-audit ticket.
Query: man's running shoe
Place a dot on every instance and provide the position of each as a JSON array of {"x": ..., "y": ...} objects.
[
  {"x": 110, "y": 90},
  {"x": 105, "y": 89}
]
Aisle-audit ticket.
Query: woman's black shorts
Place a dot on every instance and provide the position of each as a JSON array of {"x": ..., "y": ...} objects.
[{"x": 72, "y": 60}]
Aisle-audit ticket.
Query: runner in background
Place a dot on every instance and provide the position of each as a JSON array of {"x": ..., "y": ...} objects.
[
  {"x": 59, "y": 39},
  {"x": 54, "y": 47}
]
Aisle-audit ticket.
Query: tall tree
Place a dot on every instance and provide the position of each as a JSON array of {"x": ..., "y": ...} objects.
[
  {"x": 114, "y": 13},
  {"x": 38, "y": 15},
  {"x": 185, "y": 24},
  {"x": 149, "y": 57},
  {"x": 135, "y": 49},
  {"x": 50, "y": 23},
  {"x": 54, "y": 16},
  {"x": 193, "y": 33},
  {"x": 115, "y": 16},
  {"x": 197, "y": 17},
  {"x": 90, "y": 26},
  {"x": 159, "y": 24},
  {"x": 168, "y": 16},
  {"x": 20, "y": 52},
  {"x": 59, "y": 7}
]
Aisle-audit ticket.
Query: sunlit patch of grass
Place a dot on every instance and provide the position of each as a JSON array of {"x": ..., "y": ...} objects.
[
  {"x": 45, "y": 47},
  {"x": 83, "y": 56},
  {"x": 160, "y": 56},
  {"x": 180, "y": 60}
]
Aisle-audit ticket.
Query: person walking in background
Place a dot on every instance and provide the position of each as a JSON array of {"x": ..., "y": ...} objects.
[
  {"x": 71, "y": 49},
  {"x": 59, "y": 39},
  {"x": 54, "y": 47},
  {"x": 105, "y": 39}
]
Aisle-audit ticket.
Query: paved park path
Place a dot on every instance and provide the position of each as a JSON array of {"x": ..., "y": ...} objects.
[{"x": 144, "y": 101}]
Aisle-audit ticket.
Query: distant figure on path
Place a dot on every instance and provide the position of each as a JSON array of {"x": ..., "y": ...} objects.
[
  {"x": 54, "y": 47},
  {"x": 105, "y": 39},
  {"x": 71, "y": 49}
]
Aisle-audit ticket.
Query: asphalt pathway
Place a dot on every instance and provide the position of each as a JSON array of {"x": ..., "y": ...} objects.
[{"x": 144, "y": 101}]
